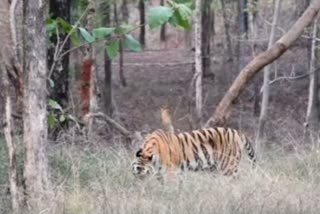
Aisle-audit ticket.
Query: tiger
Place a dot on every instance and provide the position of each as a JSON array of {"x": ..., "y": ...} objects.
[{"x": 216, "y": 149}]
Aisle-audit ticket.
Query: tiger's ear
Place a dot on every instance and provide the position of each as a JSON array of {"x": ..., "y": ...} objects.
[
  {"x": 139, "y": 153},
  {"x": 166, "y": 119}
]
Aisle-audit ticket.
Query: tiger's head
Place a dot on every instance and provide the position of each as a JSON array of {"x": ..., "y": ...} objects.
[{"x": 146, "y": 157}]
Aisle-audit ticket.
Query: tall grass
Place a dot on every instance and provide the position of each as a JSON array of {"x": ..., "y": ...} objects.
[{"x": 98, "y": 180}]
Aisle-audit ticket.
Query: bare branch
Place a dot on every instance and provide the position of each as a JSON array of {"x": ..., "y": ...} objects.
[
  {"x": 13, "y": 7},
  {"x": 109, "y": 120}
]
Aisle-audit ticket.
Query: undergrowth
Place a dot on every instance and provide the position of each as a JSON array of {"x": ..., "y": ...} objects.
[{"x": 98, "y": 180}]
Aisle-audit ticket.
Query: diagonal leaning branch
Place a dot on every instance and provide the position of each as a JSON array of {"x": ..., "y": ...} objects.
[{"x": 223, "y": 109}]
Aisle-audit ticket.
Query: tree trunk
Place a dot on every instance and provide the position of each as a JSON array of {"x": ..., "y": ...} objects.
[
  {"x": 121, "y": 71},
  {"x": 266, "y": 77},
  {"x": 226, "y": 29},
  {"x": 312, "y": 118},
  {"x": 163, "y": 27},
  {"x": 125, "y": 11},
  {"x": 96, "y": 54},
  {"x": 8, "y": 58},
  {"x": 35, "y": 105},
  {"x": 107, "y": 89},
  {"x": 223, "y": 109},
  {"x": 198, "y": 59},
  {"x": 60, "y": 75},
  {"x": 142, "y": 34},
  {"x": 206, "y": 26},
  {"x": 11, "y": 146},
  {"x": 254, "y": 34},
  {"x": 242, "y": 30}
]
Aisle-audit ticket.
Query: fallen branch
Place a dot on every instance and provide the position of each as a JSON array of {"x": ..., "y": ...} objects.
[{"x": 110, "y": 121}]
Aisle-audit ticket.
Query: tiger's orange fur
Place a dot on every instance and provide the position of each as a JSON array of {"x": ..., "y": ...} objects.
[{"x": 214, "y": 149}]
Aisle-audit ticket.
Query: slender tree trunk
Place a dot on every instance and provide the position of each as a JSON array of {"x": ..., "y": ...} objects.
[
  {"x": 226, "y": 29},
  {"x": 107, "y": 90},
  {"x": 254, "y": 35},
  {"x": 35, "y": 105},
  {"x": 60, "y": 75},
  {"x": 312, "y": 118},
  {"x": 198, "y": 58},
  {"x": 206, "y": 26},
  {"x": 125, "y": 11},
  {"x": 163, "y": 27},
  {"x": 11, "y": 146},
  {"x": 222, "y": 111},
  {"x": 96, "y": 54},
  {"x": 10, "y": 69},
  {"x": 142, "y": 36},
  {"x": 121, "y": 71},
  {"x": 266, "y": 77},
  {"x": 8, "y": 58},
  {"x": 243, "y": 28}
]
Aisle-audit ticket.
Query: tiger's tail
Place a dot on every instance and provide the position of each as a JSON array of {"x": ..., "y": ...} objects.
[{"x": 251, "y": 153}]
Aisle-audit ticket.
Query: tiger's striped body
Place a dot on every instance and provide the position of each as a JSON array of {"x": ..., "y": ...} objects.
[{"x": 214, "y": 149}]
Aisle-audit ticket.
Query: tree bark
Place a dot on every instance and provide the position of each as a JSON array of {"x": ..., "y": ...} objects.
[
  {"x": 121, "y": 52},
  {"x": 206, "y": 26},
  {"x": 142, "y": 35},
  {"x": 224, "y": 107},
  {"x": 95, "y": 53},
  {"x": 312, "y": 117},
  {"x": 35, "y": 105},
  {"x": 266, "y": 76},
  {"x": 11, "y": 146},
  {"x": 163, "y": 27},
  {"x": 125, "y": 11},
  {"x": 107, "y": 89},
  {"x": 226, "y": 29},
  {"x": 198, "y": 58},
  {"x": 8, "y": 58},
  {"x": 242, "y": 30},
  {"x": 254, "y": 34}
]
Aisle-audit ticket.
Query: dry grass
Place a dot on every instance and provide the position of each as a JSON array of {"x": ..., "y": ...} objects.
[{"x": 98, "y": 181}]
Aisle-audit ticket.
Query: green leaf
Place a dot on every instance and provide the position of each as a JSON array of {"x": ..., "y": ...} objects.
[
  {"x": 66, "y": 27},
  {"x": 159, "y": 15},
  {"x": 113, "y": 49},
  {"x": 132, "y": 43},
  {"x": 52, "y": 26},
  {"x": 51, "y": 120},
  {"x": 75, "y": 39},
  {"x": 54, "y": 105},
  {"x": 62, "y": 118},
  {"x": 182, "y": 14},
  {"x": 102, "y": 32},
  {"x": 86, "y": 35},
  {"x": 177, "y": 19}
]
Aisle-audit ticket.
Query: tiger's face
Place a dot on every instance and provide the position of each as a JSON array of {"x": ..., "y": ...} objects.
[{"x": 145, "y": 157}]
